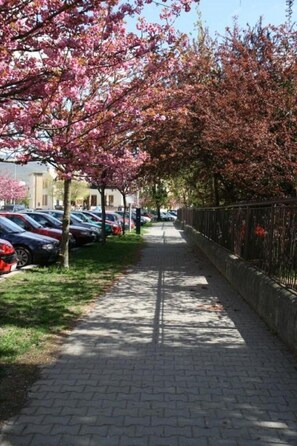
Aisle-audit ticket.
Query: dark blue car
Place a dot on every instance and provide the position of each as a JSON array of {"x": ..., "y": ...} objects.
[{"x": 29, "y": 247}]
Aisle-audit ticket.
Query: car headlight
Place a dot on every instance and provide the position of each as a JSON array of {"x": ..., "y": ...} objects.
[{"x": 48, "y": 247}]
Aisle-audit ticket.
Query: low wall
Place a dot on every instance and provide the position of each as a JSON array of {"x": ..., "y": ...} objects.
[{"x": 274, "y": 304}]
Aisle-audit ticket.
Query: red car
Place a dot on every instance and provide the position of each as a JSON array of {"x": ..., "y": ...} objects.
[
  {"x": 8, "y": 257},
  {"x": 81, "y": 236},
  {"x": 27, "y": 223}
]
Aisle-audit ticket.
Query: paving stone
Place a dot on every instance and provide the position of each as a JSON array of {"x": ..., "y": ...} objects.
[
  {"x": 164, "y": 421},
  {"x": 37, "y": 429},
  {"x": 93, "y": 429},
  {"x": 157, "y": 441},
  {"x": 16, "y": 440},
  {"x": 46, "y": 440},
  {"x": 220, "y": 442},
  {"x": 104, "y": 441},
  {"x": 114, "y": 431},
  {"x": 175, "y": 431},
  {"x": 128, "y": 441},
  {"x": 75, "y": 440},
  {"x": 137, "y": 421},
  {"x": 145, "y": 431},
  {"x": 193, "y": 442},
  {"x": 65, "y": 429},
  {"x": 80, "y": 411}
]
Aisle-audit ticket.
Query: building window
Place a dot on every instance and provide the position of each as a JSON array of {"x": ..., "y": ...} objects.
[
  {"x": 93, "y": 200},
  {"x": 110, "y": 200},
  {"x": 45, "y": 183},
  {"x": 44, "y": 200}
]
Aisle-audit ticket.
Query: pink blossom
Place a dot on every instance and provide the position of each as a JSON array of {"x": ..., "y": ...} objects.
[{"x": 11, "y": 189}]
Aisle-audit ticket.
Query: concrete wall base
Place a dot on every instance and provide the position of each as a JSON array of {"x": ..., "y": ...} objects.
[{"x": 276, "y": 305}]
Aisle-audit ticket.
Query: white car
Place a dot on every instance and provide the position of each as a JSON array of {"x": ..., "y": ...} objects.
[
  {"x": 166, "y": 216},
  {"x": 96, "y": 208},
  {"x": 145, "y": 219}
]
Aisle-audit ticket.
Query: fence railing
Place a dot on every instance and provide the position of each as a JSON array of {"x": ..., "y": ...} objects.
[{"x": 264, "y": 234}]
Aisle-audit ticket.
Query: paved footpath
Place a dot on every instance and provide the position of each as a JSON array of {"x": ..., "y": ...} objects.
[{"x": 171, "y": 356}]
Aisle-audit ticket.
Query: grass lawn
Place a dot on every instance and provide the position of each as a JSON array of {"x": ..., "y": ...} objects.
[{"x": 39, "y": 306}]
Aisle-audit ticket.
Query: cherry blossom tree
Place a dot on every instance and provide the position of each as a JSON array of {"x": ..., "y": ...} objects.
[
  {"x": 11, "y": 189},
  {"x": 39, "y": 38},
  {"x": 70, "y": 72},
  {"x": 126, "y": 174},
  {"x": 111, "y": 163},
  {"x": 33, "y": 28},
  {"x": 116, "y": 167},
  {"x": 99, "y": 174},
  {"x": 289, "y": 9}
]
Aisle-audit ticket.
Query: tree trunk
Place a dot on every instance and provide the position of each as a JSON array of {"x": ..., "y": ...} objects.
[
  {"x": 64, "y": 252},
  {"x": 216, "y": 197},
  {"x": 102, "y": 194},
  {"x": 125, "y": 209},
  {"x": 158, "y": 212},
  {"x": 157, "y": 201}
]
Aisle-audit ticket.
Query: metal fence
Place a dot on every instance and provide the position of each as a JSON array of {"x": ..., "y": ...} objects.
[{"x": 264, "y": 234}]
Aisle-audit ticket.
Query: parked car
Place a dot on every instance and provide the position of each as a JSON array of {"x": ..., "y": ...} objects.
[
  {"x": 77, "y": 222},
  {"x": 29, "y": 224},
  {"x": 120, "y": 219},
  {"x": 143, "y": 220},
  {"x": 172, "y": 215},
  {"x": 148, "y": 214},
  {"x": 110, "y": 226},
  {"x": 146, "y": 218},
  {"x": 111, "y": 216},
  {"x": 13, "y": 207},
  {"x": 114, "y": 217},
  {"x": 8, "y": 257},
  {"x": 127, "y": 218},
  {"x": 153, "y": 215},
  {"x": 29, "y": 247},
  {"x": 81, "y": 235},
  {"x": 96, "y": 208},
  {"x": 165, "y": 216},
  {"x": 86, "y": 219}
]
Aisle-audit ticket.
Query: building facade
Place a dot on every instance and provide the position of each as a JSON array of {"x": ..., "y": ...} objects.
[
  {"x": 40, "y": 182},
  {"x": 113, "y": 199},
  {"x": 37, "y": 178}
]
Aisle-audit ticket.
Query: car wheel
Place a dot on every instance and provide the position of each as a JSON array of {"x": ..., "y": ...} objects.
[{"x": 24, "y": 256}]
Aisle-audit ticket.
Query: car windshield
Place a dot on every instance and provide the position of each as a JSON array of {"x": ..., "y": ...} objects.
[
  {"x": 94, "y": 216},
  {"x": 76, "y": 219},
  {"x": 8, "y": 226},
  {"x": 58, "y": 215},
  {"x": 82, "y": 217},
  {"x": 110, "y": 217},
  {"x": 44, "y": 218},
  {"x": 55, "y": 220},
  {"x": 33, "y": 222}
]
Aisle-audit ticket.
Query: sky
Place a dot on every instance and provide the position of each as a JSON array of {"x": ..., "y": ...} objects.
[{"x": 216, "y": 15}]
